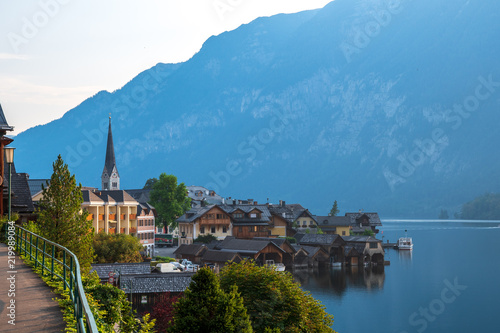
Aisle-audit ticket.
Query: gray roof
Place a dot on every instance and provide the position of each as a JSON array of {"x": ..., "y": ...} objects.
[
  {"x": 110, "y": 161},
  {"x": 155, "y": 283},
  {"x": 200, "y": 193},
  {"x": 190, "y": 249},
  {"x": 219, "y": 256},
  {"x": 35, "y": 185},
  {"x": 290, "y": 212},
  {"x": 360, "y": 239},
  {"x": 334, "y": 221},
  {"x": 107, "y": 196},
  {"x": 373, "y": 217},
  {"x": 21, "y": 195},
  {"x": 248, "y": 246},
  {"x": 4, "y": 126},
  {"x": 140, "y": 195},
  {"x": 323, "y": 239},
  {"x": 196, "y": 212},
  {"x": 124, "y": 268}
]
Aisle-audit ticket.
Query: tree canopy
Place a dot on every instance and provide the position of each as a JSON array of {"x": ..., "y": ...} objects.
[
  {"x": 274, "y": 301},
  {"x": 205, "y": 307},
  {"x": 335, "y": 209},
  {"x": 111, "y": 248},
  {"x": 169, "y": 198},
  {"x": 485, "y": 207},
  {"x": 60, "y": 215}
]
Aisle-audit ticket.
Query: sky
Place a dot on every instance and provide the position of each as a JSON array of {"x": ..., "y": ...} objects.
[{"x": 56, "y": 53}]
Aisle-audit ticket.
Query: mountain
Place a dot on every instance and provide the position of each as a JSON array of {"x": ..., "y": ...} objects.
[{"x": 387, "y": 106}]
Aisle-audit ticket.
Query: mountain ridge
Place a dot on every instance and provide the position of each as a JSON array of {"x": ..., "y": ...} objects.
[{"x": 277, "y": 109}]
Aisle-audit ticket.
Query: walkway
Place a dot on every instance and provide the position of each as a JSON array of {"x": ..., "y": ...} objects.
[{"x": 35, "y": 311}]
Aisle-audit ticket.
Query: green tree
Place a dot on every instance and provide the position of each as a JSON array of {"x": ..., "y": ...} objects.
[
  {"x": 110, "y": 248},
  {"x": 61, "y": 218},
  {"x": 274, "y": 301},
  {"x": 485, "y": 207},
  {"x": 149, "y": 183},
  {"x": 169, "y": 199},
  {"x": 205, "y": 307},
  {"x": 205, "y": 239},
  {"x": 335, "y": 209},
  {"x": 443, "y": 214}
]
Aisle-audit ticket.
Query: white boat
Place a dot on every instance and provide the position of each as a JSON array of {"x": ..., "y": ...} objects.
[
  {"x": 279, "y": 267},
  {"x": 405, "y": 243},
  {"x": 336, "y": 264}
]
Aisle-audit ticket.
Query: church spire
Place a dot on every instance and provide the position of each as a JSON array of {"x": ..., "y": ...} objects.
[{"x": 110, "y": 178}]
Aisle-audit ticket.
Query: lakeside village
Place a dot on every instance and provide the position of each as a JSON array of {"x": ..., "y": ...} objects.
[{"x": 284, "y": 236}]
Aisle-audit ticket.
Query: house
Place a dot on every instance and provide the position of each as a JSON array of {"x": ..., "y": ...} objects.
[
  {"x": 105, "y": 271},
  {"x": 220, "y": 258},
  {"x": 198, "y": 221},
  {"x": 112, "y": 212},
  {"x": 333, "y": 245},
  {"x": 258, "y": 250},
  {"x": 310, "y": 256},
  {"x": 335, "y": 225},
  {"x": 284, "y": 244},
  {"x": 191, "y": 252},
  {"x": 363, "y": 249},
  {"x": 21, "y": 202},
  {"x": 146, "y": 227},
  {"x": 201, "y": 196},
  {"x": 144, "y": 290},
  {"x": 362, "y": 222}
]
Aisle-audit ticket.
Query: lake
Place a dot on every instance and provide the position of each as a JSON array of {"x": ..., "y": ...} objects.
[{"x": 448, "y": 283}]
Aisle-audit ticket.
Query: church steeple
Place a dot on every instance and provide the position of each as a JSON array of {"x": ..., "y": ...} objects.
[{"x": 110, "y": 179}]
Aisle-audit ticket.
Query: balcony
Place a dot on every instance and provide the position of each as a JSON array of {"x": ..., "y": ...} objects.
[
  {"x": 133, "y": 230},
  {"x": 111, "y": 230},
  {"x": 133, "y": 216},
  {"x": 101, "y": 230},
  {"x": 122, "y": 217},
  {"x": 112, "y": 217},
  {"x": 90, "y": 217},
  {"x": 101, "y": 217},
  {"x": 122, "y": 230}
]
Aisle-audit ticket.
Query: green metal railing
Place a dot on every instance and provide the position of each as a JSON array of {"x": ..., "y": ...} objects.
[{"x": 43, "y": 253}]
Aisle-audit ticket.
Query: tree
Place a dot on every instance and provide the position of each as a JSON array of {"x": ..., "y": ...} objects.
[
  {"x": 485, "y": 207},
  {"x": 205, "y": 239},
  {"x": 274, "y": 301},
  {"x": 443, "y": 214},
  {"x": 163, "y": 311},
  {"x": 205, "y": 307},
  {"x": 149, "y": 183},
  {"x": 61, "y": 217},
  {"x": 169, "y": 199},
  {"x": 335, "y": 209},
  {"x": 110, "y": 248}
]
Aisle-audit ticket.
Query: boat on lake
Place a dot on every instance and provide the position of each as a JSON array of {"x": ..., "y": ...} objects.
[
  {"x": 405, "y": 243},
  {"x": 280, "y": 267}
]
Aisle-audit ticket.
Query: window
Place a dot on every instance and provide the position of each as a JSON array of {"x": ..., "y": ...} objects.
[
  {"x": 210, "y": 216},
  {"x": 212, "y": 230},
  {"x": 343, "y": 233},
  {"x": 373, "y": 245},
  {"x": 202, "y": 230},
  {"x": 220, "y": 216},
  {"x": 105, "y": 184},
  {"x": 240, "y": 229},
  {"x": 238, "y": 215},
  {"x": 224, "y": 229},
  {"x": 115, "y": 184},
  {"x": 253, "y": 215}
]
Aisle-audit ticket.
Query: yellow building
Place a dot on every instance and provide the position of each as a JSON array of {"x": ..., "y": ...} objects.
[{"x": 336, "y": 225}]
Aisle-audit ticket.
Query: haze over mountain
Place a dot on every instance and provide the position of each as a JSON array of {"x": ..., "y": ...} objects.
[{"x": 388, "y": 106}]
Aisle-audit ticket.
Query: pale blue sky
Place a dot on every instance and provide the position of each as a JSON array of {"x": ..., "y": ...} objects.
[{"x": 56, "y": 53}]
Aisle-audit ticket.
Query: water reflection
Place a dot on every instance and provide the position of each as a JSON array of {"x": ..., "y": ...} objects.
[{"x": 338, "y": 280}]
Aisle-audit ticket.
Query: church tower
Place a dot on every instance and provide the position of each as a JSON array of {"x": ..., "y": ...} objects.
[{"x": 110, "y": 179}]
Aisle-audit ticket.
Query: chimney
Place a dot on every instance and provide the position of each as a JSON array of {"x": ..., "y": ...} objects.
[
  {"x": 282, "y": 203},
  {"x": 255, "y": 203}
]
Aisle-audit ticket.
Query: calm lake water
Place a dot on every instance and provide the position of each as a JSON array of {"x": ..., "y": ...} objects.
[{"x": 450, "y": 282}]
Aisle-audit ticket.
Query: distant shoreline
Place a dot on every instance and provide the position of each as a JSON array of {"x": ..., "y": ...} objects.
[{"x": 394, "y": 220}]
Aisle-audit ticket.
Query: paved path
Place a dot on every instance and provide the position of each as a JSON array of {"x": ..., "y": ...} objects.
[{"x": 35, "y": 311}]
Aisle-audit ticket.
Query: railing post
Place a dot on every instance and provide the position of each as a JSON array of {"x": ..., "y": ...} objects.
[
  {"x": 25, "y": 243},
  {"x": 52, "y": 263},
  {"x": 31, "y": 242},
  {"x": 71, "y": 274},
  {"x": 64, "y": 270},
  {"x": 43, "y": 255},
  {"x": 36, "y": 253}
]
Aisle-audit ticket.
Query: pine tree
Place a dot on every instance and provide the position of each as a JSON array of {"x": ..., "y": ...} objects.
[
  {"x": 205, "y": 307},
  {"x": 335, "y": 209},
  {"x": 61, "y": 217}
]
